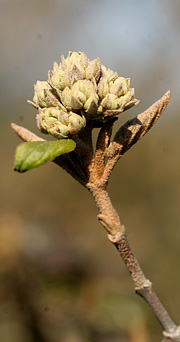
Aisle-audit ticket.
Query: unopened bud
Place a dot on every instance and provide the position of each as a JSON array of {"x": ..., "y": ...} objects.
[
  {"x": 43, "y": 95},
  {"x": 59, "y": 123},
  {"x": 78, "y": 89}
]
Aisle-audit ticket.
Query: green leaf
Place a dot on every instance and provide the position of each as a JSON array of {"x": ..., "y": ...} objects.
[{"x": 32, "y": 154}]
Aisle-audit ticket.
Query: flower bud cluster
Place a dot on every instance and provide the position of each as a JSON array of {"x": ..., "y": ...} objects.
[{"x": 76, "y": 90}]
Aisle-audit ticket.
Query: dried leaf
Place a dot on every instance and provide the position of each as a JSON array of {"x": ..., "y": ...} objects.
[
  {"x": 136, "y": 128},
  {"x": 131, "y": 132}
]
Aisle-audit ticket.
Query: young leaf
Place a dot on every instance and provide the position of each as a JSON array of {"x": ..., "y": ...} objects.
[{"x": 32, "y": 154}]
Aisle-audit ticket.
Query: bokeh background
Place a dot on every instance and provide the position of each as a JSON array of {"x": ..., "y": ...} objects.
[{"x": 60, "y": 278}]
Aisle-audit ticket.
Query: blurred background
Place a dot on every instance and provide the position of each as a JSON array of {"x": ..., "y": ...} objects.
[{"x": 60, "y": 278}]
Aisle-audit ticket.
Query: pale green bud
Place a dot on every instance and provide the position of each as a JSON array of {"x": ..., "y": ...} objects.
[
  {"x": 59, "y": 123},
  {"x": 44, "y": 96},
  {"x": 84, "y": 96},
  {"x": 110, "y": 102},
  {"x": 94, "y": 70},
  {"x": 75, "y": 59},
  {"x": 125, "y": 84},
  {"x": 60, "y": 78},
  {"x": 66, "y": 97},
  {"x": 124, "y": 100},
  {"x": 114, "y": 93},
  {"x": 116, "y": 87},
  {"x": 70, "y": 69},
  {"x": 76, "y": 123},
  {"x": 108, "y": 73},
  {"x": 103, "y": 87},
  {"x": 77, "y": 89}
]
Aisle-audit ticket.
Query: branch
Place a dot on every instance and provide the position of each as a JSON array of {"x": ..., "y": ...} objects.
[
  {"x": 143, "y": 287},
  {"x": 172, "y": 337}
]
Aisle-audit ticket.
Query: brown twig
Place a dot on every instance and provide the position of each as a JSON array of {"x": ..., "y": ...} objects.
[{"x": 117, "y": 235}]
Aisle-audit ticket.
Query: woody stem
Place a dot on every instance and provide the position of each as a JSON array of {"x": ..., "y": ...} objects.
[{"x": 117, "y": 235}]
